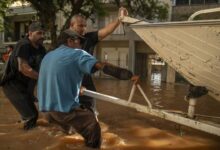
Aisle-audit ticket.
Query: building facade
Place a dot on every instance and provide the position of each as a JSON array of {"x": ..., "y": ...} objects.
[{"x": 123, "y": 47}]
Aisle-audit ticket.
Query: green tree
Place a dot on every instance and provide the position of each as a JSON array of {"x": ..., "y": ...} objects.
[
  {"x": 47, "y": 9},
  {"x": 148, "y": 9},
  {"x": 3, "y": 8}
]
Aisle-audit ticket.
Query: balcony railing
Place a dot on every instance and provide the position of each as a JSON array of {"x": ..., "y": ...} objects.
[{"x": 195, "y": 2}]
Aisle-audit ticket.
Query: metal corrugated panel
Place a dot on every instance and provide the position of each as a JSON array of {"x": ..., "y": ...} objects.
[{"x": 191, "y": 48}]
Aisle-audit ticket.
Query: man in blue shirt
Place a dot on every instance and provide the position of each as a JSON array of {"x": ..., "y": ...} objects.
[{"x": 60, "y": 78}]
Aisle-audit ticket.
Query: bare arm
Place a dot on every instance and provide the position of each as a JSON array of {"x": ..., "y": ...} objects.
[
  {"x": 99, "y": 65},
  {"x": 102, "y": 33},
  {"x": 26, "y": 70}
]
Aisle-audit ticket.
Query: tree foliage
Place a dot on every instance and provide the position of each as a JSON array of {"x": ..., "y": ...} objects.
[
  {"x": 47, "y": 10},
  {"x": 148, "y": 9},
  {"x": 3, "y": 8}
]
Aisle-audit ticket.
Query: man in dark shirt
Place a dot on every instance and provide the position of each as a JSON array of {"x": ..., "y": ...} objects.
[
  {"x": 22, "y": 72},
  {"x": 78, "y": 24}
]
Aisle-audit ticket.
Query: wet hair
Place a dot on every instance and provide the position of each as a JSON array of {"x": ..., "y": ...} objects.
[{"x": 73, "y": 19}]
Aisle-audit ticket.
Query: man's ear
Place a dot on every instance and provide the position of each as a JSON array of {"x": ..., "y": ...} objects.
[
  {"x": 29, "y": 33},
  {"x": 71, "y": 25}
]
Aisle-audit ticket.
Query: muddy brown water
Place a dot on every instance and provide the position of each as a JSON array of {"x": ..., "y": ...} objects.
[{"x": 122, "y": 128}]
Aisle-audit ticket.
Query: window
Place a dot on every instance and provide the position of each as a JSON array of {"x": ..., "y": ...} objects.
[
  {"x": 212, "y": 1},
  {"x": 204, "y": 2},
  {"x": 182, "y": 2},
  {"x": 197, "y": 2},
  {"x": 15, "y": 31}
]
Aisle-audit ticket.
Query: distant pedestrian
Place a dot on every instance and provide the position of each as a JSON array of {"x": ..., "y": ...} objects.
[{"x": 8, "y": 52}]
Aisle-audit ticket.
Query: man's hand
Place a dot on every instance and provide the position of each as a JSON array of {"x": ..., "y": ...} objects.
[
  {"x": 135, "y": 79},
  {"x": 108, "y": 29},
  {"x": 121, "y": 13},
  {"x": 82, "y": 88}
]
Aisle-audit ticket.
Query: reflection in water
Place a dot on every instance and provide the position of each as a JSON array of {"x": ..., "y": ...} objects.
[
  {"x": 156, "y": 79},
  {"x": 156, "y": 88},
  {"x": 170, "y": 88}
]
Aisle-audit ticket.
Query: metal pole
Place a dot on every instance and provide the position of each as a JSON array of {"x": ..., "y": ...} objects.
[
  {"x": 145, "y": 97},
  {"x": 212, "y": 129},
  {"x": 191, "y": 108},
  {"x": 132, "y": 93}
]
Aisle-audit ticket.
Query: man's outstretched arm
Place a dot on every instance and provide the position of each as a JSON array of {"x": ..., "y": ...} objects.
[
  {"x": 108, "y": 29},
  {"x": 115, "y": 71}
]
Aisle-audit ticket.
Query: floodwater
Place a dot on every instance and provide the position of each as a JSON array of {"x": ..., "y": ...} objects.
[{"x": 122, "y": 128}]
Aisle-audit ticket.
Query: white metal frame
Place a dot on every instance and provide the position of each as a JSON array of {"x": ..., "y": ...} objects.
[
  {"x": 205, "y": 11},
  {"x": 164, "y": 114}
]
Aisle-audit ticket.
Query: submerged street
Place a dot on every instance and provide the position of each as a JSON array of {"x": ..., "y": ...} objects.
[
  {"x": 168, "y": 44},
  {"x": 122, "y": 128}
]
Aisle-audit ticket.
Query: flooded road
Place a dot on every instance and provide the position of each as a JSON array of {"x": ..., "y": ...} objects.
[{"x": 122, "y": 128}]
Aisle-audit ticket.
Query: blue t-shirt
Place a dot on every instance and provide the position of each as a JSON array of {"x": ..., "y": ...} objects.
[{"x": 60, "y": 78}]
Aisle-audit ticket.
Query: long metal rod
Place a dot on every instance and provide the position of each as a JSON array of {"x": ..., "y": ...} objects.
[
  {"x": 135, "y": 23},
  {"x": 132, "y": 93},
  {"x": 212, "y": 129},
  {"x": 145, "y": 97}
]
